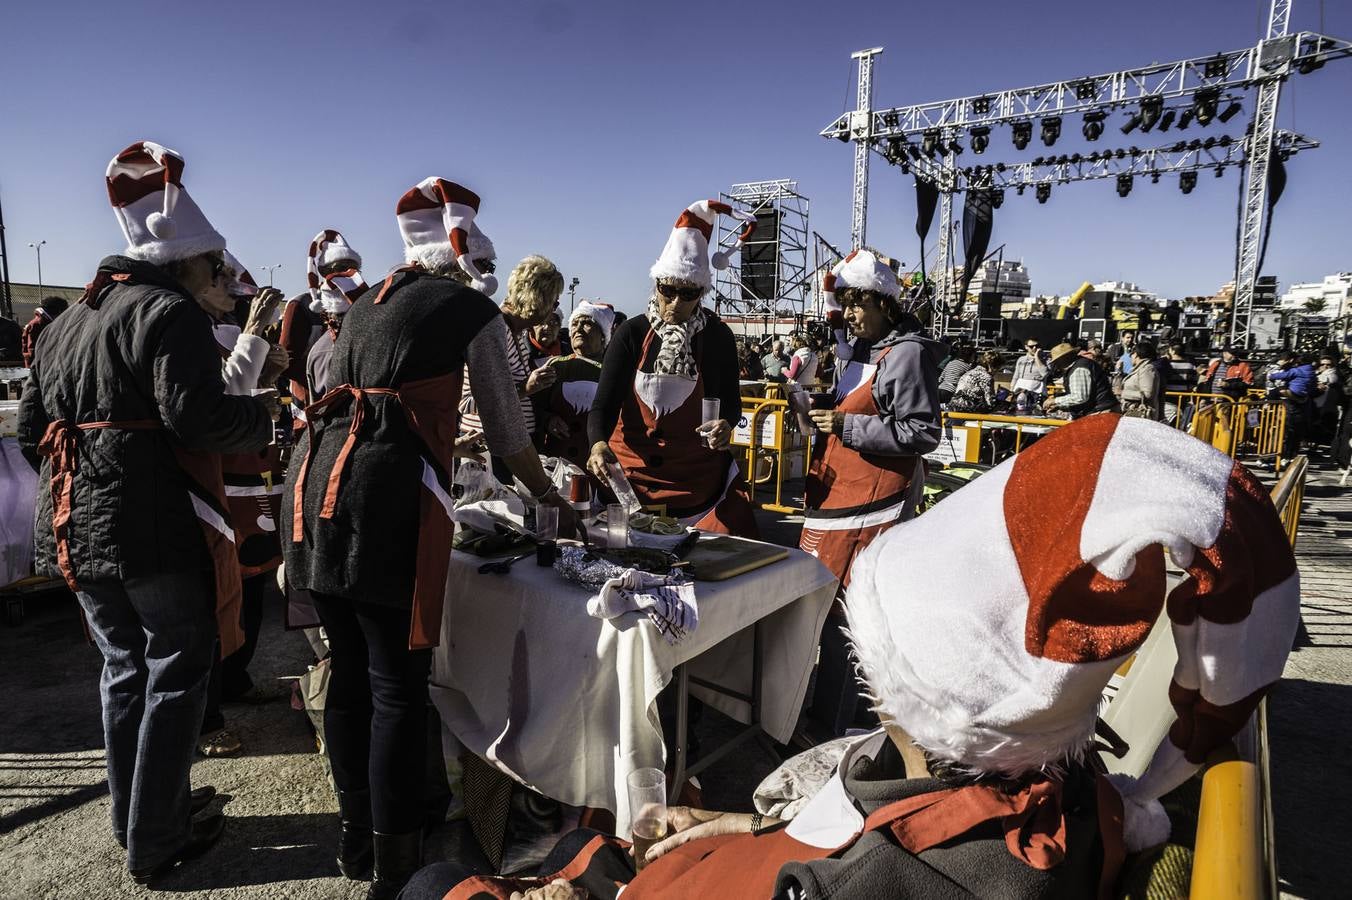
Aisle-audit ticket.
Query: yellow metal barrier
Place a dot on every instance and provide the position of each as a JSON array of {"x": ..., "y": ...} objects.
[
  {"x": 974, "y": 425},
  {"x": 772, "y": 437},
  {"x": 1251, "y": 426}
]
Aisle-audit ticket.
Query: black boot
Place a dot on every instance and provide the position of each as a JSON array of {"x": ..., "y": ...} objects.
[
  {"x": 355, "y": 854},
  {"x": 398, "y": 856}
]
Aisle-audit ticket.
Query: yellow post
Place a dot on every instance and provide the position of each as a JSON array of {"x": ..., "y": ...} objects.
[{"x": 1227, "y": 860}]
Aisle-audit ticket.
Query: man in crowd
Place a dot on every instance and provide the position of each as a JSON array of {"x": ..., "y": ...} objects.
[
  {"x": 1120, "y": 353},
  {"x": 1296, "y": 378},
  {"x": 1030, "y": 374},
  {"x": 775, "y": 362},
  {"x": 1086, "y": 388},
  {"x": 1230, "y": 375},
  {"x": 333, "y": 274},
  {"x": 43, "y": 316},
  {"x": 127, "y": 412}
]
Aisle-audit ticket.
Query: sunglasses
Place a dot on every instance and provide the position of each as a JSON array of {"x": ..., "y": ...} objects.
[
  {"x": 486, "y": 266},
  {"x": 684, "y": 294}
]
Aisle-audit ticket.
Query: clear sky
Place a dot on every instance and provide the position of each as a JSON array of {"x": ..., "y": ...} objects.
[{"x": 587, "y": 126}]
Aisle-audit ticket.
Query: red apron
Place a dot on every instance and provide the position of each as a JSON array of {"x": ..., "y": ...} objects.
[
  {"x": 206, "y": 490},
  {"x": 666, "y": 460},
  {"x": 430, "y": 408},
  {"x": 853, "y": 497},
  {"x": 747, "y": 865},
  {"x": 571, "y": 401},
  {"x": 253, "y": 493}
]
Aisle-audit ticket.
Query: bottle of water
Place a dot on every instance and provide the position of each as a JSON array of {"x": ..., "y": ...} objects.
[{"x": 624, "y": 491}]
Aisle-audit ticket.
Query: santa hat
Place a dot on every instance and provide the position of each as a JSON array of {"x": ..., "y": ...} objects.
[
  {"x": 863, "y": 270},
  {"x": 161, "y": 222},
  {"x": 244, "y": 284},
  {"x": 603, "y": 314},
  {"x": 686, "y": 255},
  {"x": 436, "y": 219},
  {"x": 336, "y": 292},
  {"x": 988, "y": 627}
]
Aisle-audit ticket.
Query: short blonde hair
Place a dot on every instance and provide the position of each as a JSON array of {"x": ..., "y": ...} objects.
[{"x": 533, "y": 288}]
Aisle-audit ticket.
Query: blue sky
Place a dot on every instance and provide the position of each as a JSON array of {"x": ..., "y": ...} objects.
[{"x": 587, "y": 126}]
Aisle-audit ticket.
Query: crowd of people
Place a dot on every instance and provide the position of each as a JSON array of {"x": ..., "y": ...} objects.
[{"x": 195, "y": 432}]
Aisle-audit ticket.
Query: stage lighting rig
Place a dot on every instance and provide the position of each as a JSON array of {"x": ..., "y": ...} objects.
[
  {"x": 1131, "y": 124},
  {"x": 981, "y": 138},
  {"x": 1151, "y": 107},
  {"x": 1204, "y": 105},
  {"x": 1044, "y": 191},
  {"x": 1185, "y": 118},
  {"x": 954, "y": 147},
  {"x": 1215, "y": 67},
  {"x": 1022, "y": 133},
  {"x": 929, "y": 142},
  {"x": 891, "y": 119},
  {"x": 1167, "y": 119},
  {"x": 1051, "y": 130},
  {"x": 1187, "y": 181},
  {"x": 1123, "y": 185},
  {"x": 1086, "y": 89},
  {"x": 1229, "y": 112},
  {"x": 1093, "y": 125},
  {"x": 981, "y": 106},
  {"x": 998, "y": 198}
]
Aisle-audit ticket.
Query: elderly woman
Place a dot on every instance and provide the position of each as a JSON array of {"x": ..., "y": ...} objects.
[
  {"x": 564, "y": 408},
  {"x": 1143, "y": 389},
  {"x": 867, "y": 475},
  {"x": 533, "y": 291},
  {"x": 976, "y": 388},
  {"x": 659, "y": 369},
  {"x": 545, "y": 343}
]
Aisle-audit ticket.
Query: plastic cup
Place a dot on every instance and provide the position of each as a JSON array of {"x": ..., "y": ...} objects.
[
  {"x": 647, "y": 811},
  {"x": 617, "y": 526},
  {"x": 710, "y": 408}
]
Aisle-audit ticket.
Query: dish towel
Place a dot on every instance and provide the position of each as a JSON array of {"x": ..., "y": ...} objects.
[{"x": 669, "y": 602}]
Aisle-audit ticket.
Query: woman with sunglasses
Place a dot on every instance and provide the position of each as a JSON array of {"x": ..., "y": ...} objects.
[{"x": 658, "y": 370}]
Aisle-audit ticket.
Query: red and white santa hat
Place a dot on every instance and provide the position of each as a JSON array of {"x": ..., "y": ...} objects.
[
  {"x": 160, "y": 220},
  {"x": 988, "y": 627},
  {"x": 244, "y": 284},
  {"x": 686, "y": 255},
  {"x": 336, "y": 292},
  {"x": 603, "y": 314},
  {"x": 436, "y": 219},
  {"x": 862, "y": 269}
]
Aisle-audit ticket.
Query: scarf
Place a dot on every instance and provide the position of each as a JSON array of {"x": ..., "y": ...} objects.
[{"x": 676, "y": 356}]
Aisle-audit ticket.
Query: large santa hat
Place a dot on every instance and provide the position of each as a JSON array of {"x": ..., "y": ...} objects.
[
  {"x": 436, "y": 219},
  {"x": 244, "y": 284},
  {"x": 603, "y": 314},
  {"x": 686, "y": 255},
  {"x": 336, "y": 292},
  {"x": 988, "y": 627},
  {"x": 161, "y": 222},
  {"x": 862, "y": 269}
]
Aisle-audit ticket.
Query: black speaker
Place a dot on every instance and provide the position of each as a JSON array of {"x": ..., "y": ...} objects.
[
  {"x": 988, "y": 332},
  {"x": 1097, "y": 305},
  {"x": 1096, "y": 330},
  {"x": 760, "y": 258},
  {"x": 988, "y": 305}
]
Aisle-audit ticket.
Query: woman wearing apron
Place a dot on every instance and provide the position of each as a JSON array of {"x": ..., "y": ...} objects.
[
  {"x": 867, "y": 474},
  {"x": 659, "y": 369},
  {"x": 564, "y": 408}
]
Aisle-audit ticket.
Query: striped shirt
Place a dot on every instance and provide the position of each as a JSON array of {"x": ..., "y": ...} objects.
[{"x": 518, "y": 364}]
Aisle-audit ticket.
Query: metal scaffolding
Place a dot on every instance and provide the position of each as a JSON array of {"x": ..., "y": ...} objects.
[
  {"x": 926, "y": 139},
  {"x": 769, "y": 278}
]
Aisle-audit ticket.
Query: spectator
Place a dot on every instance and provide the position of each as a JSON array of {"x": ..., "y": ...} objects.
[
  {"x": 976, "y": 388},
  {"x": 1229, "y": 375},
  {"x": 1143, "y": 390},
  {"x": 11, "y": 342},
  {"x": 1029, "y": 370},
  {"x": 803, "y": 364},
  {"x": 1296, "y": 380},
  {"x": 1329, "y": 395},
  {"x": 959, "y": 362},
  {"x": 334, "y": 272},
  {"x": 1173, "y": 315},
  {"x": 1086, "y": 387},
  {"x": 564, "y": 408},
  {"x": 545, "y": 341},
  {"x": 42, "y": 317},
  {"x": 775, "y": 362},
  {"x": 1119, "y": 354},
  {"x": 749, "y": 363},
  {"x": 126, "y": 405},
  {"x": 1181, "y": 379}
]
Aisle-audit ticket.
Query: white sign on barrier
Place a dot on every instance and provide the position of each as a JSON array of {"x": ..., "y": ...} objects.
[
  {"x": 952, "y": 446},
  {"x": 769, "y": 429}
]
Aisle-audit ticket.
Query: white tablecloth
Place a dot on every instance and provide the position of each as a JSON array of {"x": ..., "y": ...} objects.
[{"x": 566, "y": 703}]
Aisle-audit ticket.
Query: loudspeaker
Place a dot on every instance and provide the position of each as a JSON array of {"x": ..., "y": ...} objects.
[
  {"x": 1097, "y": 305},
  {"x": 988, "y": 305},
  {"x": 987, "y": 332},
  {"x": 760, "y": 258},
  {"x": 1196, "y": 320},
  {"x": 1095, "y": 330}
]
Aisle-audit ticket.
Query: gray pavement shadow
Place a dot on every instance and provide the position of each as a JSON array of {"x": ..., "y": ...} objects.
[
  {"x": 257, "y": 850},
  {"x": 65, "y": 799},
  {"x": 1311, "y": 730}
]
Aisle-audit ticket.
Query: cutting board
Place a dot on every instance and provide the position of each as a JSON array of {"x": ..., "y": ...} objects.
[{"x": 722, "y": 557}]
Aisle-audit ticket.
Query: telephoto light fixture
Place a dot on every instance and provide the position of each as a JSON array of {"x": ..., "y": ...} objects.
[
  {"x": 1022, "y": 133},
  {"x": 1093, "y": 125},
  {"x": 1051, "y": 130},
  {"x": 981, "y": 138}
]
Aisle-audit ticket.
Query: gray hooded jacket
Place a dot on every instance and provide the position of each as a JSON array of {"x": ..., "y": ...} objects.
[{"x": 906, "y": 392}]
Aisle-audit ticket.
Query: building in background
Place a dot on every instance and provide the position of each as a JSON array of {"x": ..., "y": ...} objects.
[
  {"x": 1331, "y": 297},
  {"x": 28, "y": 298}
]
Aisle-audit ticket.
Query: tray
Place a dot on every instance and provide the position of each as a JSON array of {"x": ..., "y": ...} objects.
[{"x": 723, "y": 557}]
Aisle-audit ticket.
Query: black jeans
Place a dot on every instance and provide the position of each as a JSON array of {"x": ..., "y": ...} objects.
[
  {"x": 375, "y": 714},
  {"x": 230, "y": 676}
]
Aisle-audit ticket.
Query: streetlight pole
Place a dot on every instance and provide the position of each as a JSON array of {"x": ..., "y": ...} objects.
[
  {"x": 270, "y": 270},
  {"x": 6, "y": 301},
  {"x": 38, "y": 248},
  {"x": 572, "y": 293}
]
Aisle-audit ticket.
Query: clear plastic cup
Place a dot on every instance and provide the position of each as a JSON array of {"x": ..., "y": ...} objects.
[
  {"x": 647, "y": 811},
  {"x": 617, "y": 526}
]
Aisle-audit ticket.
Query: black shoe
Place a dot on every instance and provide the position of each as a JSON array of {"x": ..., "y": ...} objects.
[
  {"x": 200, "y": 798},
  {"x": 398, "y": 857},
  {"x": 204, "y": 832},
  {"x": 356, "y": 855}
]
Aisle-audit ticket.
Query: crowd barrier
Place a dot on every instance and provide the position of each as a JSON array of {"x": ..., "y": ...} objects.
[{"x": 1251, "y": 426}]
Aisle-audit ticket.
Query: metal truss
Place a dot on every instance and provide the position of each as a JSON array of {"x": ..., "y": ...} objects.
[
  {"x": 863, "y": 103},
  {"x": 788, "y": 244}
]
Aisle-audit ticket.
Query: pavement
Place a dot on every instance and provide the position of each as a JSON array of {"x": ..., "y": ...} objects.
[{"x": 55, "y": 841}]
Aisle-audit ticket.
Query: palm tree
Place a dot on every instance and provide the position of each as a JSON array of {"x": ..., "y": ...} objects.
[{"x": 1315, "y": 305}]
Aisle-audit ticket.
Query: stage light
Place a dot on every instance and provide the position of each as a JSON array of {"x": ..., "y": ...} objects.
[
  {"x": 1209, "y": 143},
  {"x": 1154, "y": 177},
  {"x": 1167, "y": 119},
  {"x": 1185, "y": 118},
  {"x": 891, "y": 119},
  {"x": 1225, "y": 140},
  {"x": 1086, "y": 89},
  {"x": 1214, "y": 67},
  {"x": 1076, "y": 158},
  {"x": 1123, "y": 185},
  {"x": 999, "y": 167},
  {"x": 914, "y": 151},
  {"x": 929, "y": 142},
  {"x": 981, "y": 138},
  {"x": 981, "y": 106},
  {"x": 1187, "y": 181},
  {"x": 954, "y": 147},
  {"x": 1135, "y": 152},
  {"x": 1151, "y": 107},
  {"x": 1220, "y": 170},
  {"x": 1019, "y": 190},
  {"x": 843, "y": 135},
  {"x": 1195, "y": 144},
  {"x": 998, "y": 199},
  {"x": 1051, "y": 130},
  {"x": 1133, "y": 121},
  {"x": 1022, "y": 133},
  {"x": 1178, "y": 147},
  {"x": 1204, "y": 105},
  {"x": 1093, "y": 125},
  {"x": 1037, "y": 160},
  {"x": 1120, "y": 153},
  {"x": 1230, "y": 112},
  {"x": 1044, "y": 192}
]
